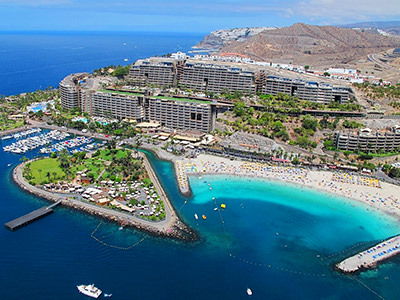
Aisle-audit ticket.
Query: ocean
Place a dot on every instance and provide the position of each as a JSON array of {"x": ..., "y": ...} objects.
[
  {"x": 37, "y": 60},
  {"x": 279, "y": 240}
]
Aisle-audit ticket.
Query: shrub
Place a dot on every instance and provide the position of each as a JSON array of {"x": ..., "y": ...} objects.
[{"x": 394, "y": 172}]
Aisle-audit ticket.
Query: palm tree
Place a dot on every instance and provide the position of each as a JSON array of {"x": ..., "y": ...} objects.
[
  {"x": 138, "y": 143},
  {"x": 40, "y": 173},
  {"x": 63, "y": 158}
]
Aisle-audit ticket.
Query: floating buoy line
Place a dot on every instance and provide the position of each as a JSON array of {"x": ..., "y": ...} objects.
[
  {"x": 324, "y": 260},
  {"x": 114, "y": 246}
]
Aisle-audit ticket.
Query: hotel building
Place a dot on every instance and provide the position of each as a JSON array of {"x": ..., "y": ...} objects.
[
  {"x": 181, "y": 113},
  {"x": 367, "y": 141},
  {"x": 222, "y": 77},
  {"x": 70, "y": 91},
  {"x": 147, "y": 72},
  {"x": 216, "y": 78},
  {"x": 174, "y": 113},
  {"x": 304, "y": 90}
]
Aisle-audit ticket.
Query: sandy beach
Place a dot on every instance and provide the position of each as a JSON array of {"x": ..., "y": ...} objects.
[{"x": 376, "y": 194}]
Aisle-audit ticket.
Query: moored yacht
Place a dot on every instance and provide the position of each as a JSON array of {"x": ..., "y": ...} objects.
[{"x": 89, "y": 290}]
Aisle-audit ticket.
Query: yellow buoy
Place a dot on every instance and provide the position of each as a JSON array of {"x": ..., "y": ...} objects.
[
  {"x": 204, "y": 217},
  {"x": 223, "y": 205}
]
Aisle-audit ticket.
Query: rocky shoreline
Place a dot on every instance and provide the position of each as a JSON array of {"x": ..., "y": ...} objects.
[
  {"x": 164, "y": 155},
  {"x": 174, "y": 228}
]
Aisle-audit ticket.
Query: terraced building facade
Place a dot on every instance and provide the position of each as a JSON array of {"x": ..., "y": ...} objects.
[
  {"x": 221, "y": 77},
  {"x": 175, "y": 113}
]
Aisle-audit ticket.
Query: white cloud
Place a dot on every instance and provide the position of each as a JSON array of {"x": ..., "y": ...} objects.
[{"x": 347, "y": 11}]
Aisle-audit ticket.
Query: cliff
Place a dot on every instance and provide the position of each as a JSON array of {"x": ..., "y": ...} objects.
[
  {"x": 220, "y": 38},
  {"x": 309, "y": 44},
  {"x": 301, "y": 44}
]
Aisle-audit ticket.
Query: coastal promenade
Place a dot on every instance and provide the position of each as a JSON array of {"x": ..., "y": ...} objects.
[
  {"x": 370, "y": 257},
  {"x": 170, "y": 227}
]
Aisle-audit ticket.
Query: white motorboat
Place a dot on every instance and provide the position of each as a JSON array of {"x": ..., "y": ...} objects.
[
  {"x": 249, "y": 292},
  {"x": 89, "y": 290},
  {"x": 196, "y": 216}
]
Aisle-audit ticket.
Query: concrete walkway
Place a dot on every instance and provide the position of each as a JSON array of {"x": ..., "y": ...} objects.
[{"x": 370, "y": 257}]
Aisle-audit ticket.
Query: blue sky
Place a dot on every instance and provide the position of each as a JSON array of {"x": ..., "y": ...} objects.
[{"x": 187, "y": 16}]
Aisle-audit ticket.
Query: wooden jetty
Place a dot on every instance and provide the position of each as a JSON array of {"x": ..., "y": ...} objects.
[
  {"x": 370, "y": 257},
  {"x": 30, "y": 217}
]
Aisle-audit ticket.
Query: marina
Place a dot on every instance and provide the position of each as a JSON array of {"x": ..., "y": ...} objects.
[
  {"x": 20, "y": 134},
  {"x": 34, "y": 142},
  {"x": 72, "y": 143},
  {"x": 369, "y": 258},
  {"x": 30, "y": 217}
]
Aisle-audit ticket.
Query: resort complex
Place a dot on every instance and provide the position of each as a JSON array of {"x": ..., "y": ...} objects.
[
  {"x": 368, "y": 141},
  {"x": 98, "y": 97},
  {"x": 220, "y": 76},
  {"x": 171, "y": 112}
]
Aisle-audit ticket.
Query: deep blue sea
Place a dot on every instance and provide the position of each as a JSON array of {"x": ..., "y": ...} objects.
[
  {"x": 279, "y": 240},
  {"x": 36, "y": 60}
]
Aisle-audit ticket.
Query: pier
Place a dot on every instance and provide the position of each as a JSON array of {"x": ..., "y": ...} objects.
[
  {"x": 370, "y": 257},
  {"x": 31, "y": 217}
]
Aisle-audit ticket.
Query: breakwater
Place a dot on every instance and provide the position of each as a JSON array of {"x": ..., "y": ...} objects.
[
  {"x": 172, "y": 227},
  {"x": 371, "y": 257}
]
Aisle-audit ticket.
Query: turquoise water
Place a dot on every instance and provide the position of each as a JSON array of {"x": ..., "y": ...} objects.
[
  {"x": 278, "y": 240},
  {"x": 282, "y": 240},
  {"x": 84, "y": 120},
  {"x": 39, "y": 107},
  {"x": 277, "y": 215}
]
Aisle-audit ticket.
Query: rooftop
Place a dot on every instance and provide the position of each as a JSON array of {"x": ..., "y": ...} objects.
[
  {"x": 122, "y": 92},
  {"x": 181, "y": 99}
]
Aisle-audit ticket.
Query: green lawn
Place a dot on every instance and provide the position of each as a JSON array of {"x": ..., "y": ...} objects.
[
  {"x": 93, "y": 166},
  {"x": 107, "y": 155},
  {"x": 121, "y": 153},
  {"x": 50, "y": 165}
]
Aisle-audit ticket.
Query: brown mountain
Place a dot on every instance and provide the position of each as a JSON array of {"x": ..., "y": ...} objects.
[{"x": 310, "y": 44}]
